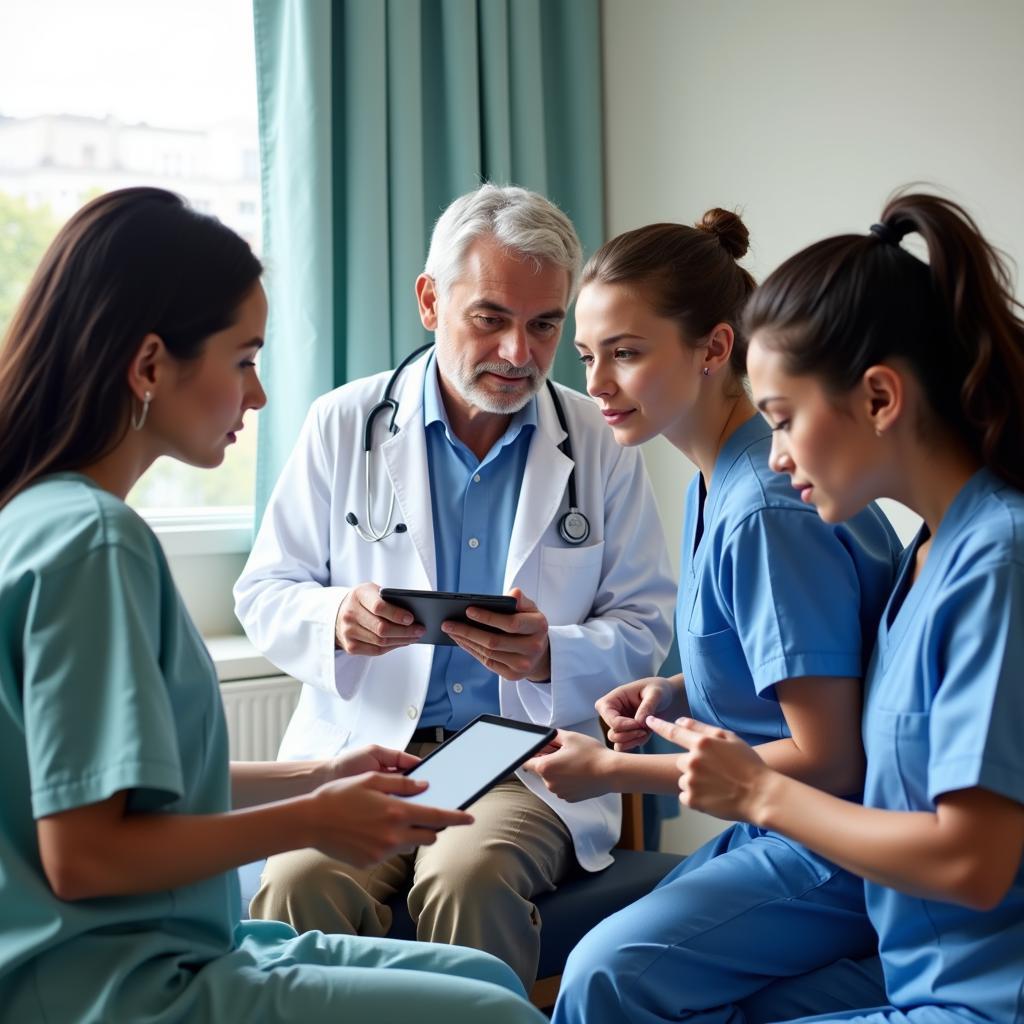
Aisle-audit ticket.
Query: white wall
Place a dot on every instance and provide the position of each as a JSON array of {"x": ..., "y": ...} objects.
[{"x": 804, "y": 116}]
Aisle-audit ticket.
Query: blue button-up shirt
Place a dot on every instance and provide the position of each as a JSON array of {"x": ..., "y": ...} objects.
[{"x": 474, "y": 505}]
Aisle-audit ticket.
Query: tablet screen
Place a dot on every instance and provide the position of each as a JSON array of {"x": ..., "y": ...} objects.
[{"x": 483, "y": 753}]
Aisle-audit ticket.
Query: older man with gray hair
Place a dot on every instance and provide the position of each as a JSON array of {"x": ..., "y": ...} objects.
[{"x": 492, "y": 480}]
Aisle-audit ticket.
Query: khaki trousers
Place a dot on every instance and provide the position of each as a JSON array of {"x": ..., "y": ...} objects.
[{"x": 473, "y": 887}]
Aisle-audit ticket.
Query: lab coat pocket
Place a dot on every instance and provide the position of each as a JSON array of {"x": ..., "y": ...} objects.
[
  {"x": 569, "y": 578},
  {"x": 323, "y": 738},
  {"x": 898, "y": 745}
]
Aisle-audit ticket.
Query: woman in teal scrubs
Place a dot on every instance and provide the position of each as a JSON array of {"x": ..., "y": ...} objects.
[
  {"x": 884, "y": 375},
  {"x": 118, "y": 895},
  {"x": 775, "y": 613}
]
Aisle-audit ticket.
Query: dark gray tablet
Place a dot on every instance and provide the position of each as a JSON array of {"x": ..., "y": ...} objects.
[
  {"x": 465, "y": 766},
  {"x": 432, "y": 607}
]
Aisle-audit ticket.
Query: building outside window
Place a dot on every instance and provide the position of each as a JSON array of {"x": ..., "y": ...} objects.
[{"x": 115, "y": 93}]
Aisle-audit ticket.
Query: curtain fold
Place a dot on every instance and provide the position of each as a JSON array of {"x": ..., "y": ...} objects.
[{"x": 374, "y": 115}]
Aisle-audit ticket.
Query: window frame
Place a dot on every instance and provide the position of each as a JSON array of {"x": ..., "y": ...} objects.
[{"x": 213, "y": 530}]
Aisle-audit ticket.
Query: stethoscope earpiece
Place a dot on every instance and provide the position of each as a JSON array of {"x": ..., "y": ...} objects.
[{"x": 573, "y": 527}]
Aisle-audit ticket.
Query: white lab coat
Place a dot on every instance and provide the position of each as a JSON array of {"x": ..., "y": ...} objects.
[{"x": 608, "y": 603}]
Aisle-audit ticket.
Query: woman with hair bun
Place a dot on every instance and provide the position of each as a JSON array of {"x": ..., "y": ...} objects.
[
  {"x": 885, "y": 375},
  {"x": 775, "y": 614}
]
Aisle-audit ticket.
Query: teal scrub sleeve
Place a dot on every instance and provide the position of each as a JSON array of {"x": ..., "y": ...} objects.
[
  {"x": 977, "y": 654},
  {"x": 795, "y": 598},
  {"x": 96, "y": 710}
]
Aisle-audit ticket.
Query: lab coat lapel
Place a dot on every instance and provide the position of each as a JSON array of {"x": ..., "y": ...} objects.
[
  {"x": 405, "y": 459},
  {"x": 543, "y": 489}
]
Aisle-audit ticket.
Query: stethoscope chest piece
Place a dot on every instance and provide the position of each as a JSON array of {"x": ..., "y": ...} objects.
[{"x": 574, "y": 527}]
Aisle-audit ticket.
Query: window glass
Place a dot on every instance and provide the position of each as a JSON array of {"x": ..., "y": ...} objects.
[{"x": 110, "y": 93}]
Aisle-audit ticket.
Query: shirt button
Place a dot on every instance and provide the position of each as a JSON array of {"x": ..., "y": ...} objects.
[
  {"x": 476, "y": 478},
  {"x": 457, "y": 687},
  {"x": 412, "y": 712},
  {"x": 474, "y": 543}
]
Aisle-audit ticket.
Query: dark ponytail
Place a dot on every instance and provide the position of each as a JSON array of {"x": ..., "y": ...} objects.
[
  {"x": 129, "y": 263},
  {"x": 689, "y": 274},
  {"x": 853, "y": 301}
]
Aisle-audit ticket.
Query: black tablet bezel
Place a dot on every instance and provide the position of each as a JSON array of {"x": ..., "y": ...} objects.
[
  {"x": 544, "y": 736},
  {"x": 432, "y": 607}
]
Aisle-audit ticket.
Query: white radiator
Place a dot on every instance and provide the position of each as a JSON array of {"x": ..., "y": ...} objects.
[{"x": 257, "y": 711}]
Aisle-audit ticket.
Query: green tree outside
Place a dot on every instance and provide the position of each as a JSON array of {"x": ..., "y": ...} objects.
[{"x": 25, "y": 232}]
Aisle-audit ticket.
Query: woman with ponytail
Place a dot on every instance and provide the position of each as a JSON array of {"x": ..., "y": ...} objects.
[
  {"x": 775, "y": 615},
  {"x": 885, "y": 375},
  {"x": 122, "y": 823}
]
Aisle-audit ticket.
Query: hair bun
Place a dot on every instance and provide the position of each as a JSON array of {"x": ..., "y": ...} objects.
[{"x": 730, "y": 231}]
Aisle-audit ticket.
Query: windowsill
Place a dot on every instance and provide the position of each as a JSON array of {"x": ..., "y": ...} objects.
[
  {"x": 236, "y": 658},
  {"x": 199, "y": 531}
]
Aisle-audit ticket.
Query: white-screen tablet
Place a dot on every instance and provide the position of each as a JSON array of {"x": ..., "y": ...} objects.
[{"x": 465, "y": 766}]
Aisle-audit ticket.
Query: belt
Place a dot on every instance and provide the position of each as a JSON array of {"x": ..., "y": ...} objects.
[{"x": 432, "y": 734}]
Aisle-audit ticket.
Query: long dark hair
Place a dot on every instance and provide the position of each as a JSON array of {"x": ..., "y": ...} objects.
[
  {"x": 852, "y": 301},
  {"x": 689, "y": 274},
  {"x": 129, "y": 263}
]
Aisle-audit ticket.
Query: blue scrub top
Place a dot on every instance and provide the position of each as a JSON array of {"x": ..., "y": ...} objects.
[
  {"x": 944, "y": 712},
  {"x": 771, "y": 591},
  {"x": 105, "y": 686}
]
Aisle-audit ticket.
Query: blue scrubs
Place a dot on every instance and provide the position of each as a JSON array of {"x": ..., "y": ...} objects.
[
  {"x": 944, "y": 710},
  {"x": 106, "y": 687},
  {"x": 768, "y": 592}
]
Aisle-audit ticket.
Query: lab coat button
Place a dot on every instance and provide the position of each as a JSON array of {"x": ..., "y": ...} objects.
[{"x": 412, "y": 712}]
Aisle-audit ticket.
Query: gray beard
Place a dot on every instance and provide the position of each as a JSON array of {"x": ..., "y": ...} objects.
[{"x": 489, "y": 401}]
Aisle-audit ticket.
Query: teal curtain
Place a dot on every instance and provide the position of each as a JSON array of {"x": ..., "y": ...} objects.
[{"x": 374, "y": 115}]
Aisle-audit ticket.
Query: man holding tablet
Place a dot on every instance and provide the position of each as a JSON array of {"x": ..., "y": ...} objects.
[{"x": 492, "y": 481}]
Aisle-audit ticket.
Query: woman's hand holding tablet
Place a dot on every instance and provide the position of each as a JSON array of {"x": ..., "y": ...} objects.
[{"x": 464, "y": 767}]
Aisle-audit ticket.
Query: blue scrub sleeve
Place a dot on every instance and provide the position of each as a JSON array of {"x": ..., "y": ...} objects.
[
  {"x": 795, "y": 596},
  {"x": 977, "y": 653},
  {"x": 97, "y": 714}
]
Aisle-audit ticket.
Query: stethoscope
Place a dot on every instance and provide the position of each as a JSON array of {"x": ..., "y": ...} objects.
[{"x": 573, "y": 527}]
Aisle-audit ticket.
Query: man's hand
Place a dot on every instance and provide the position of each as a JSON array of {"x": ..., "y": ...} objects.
[
  {"x": 520, "y": 651},
  {"x": 625, "y": 710},
  {"x": 361, "y": 821},
  {"x": 572, "y": 766},
  {"x": 366, "y": 624}
]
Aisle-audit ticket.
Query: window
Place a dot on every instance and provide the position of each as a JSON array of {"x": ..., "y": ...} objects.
[{"x": 131, "y": 93}]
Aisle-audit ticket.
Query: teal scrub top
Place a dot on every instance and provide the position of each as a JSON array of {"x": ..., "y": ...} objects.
[
  {"x": 944, "y": 712},
  {"x": 769, "y": 591},
  {"x": 105, "y": 685}
]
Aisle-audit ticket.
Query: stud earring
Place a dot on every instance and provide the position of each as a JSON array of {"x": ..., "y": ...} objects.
[
  {"x": 707, "y": 372},
  {"x": 138, "y": 422}
]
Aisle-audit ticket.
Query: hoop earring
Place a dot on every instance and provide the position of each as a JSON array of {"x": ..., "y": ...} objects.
[
  {"x": 707, "y": 372},
  {"x": 139, "y": 422}
]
